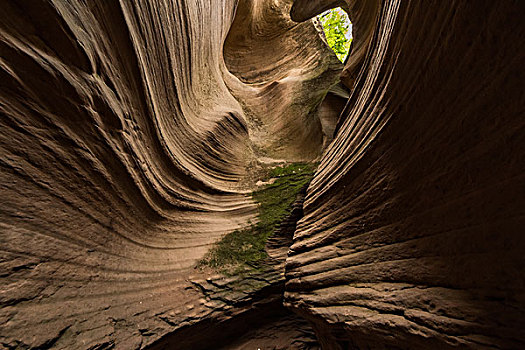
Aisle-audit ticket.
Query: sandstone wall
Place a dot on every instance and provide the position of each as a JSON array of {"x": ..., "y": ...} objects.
[
  {"x": 125, "y": 156},
  {"x": 413, "y": 227},
  {"x": 131, "y": 130}
]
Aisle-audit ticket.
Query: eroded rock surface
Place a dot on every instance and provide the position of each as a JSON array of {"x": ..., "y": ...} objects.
[
  {"x": 284, "y": 72},
  {"x": 133, "y": 132},
  {"x": 125, "y": 156},
  {"x": 413, "y": 227}
]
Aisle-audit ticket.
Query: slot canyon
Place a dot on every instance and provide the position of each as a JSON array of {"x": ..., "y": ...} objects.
[{"x": 207, "y": 174}]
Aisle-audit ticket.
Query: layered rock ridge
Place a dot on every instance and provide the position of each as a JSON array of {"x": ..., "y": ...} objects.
[
  {"x": 413, "y": 230},
  {"x": 283, "y": 71},
  {"x": 128, "y": 149}
]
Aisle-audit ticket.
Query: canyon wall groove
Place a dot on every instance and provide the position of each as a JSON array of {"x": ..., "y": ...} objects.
[{"x": 413, "y": 227}]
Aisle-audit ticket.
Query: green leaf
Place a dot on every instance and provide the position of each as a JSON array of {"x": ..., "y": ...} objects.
[{"x": 336, "y": 26}]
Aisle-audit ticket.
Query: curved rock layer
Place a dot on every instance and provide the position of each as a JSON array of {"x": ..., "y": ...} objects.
[
  {"x": 130, "y": 134},
  {"x": 284, "y": 71},
  {"x": 413, "y": 227},
  {"x": 124, "y": 157}
]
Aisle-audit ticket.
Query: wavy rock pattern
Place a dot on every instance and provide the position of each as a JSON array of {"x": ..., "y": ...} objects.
[
  {"x": 413, "y": 227},
  {"x": 132, "y": 131},
  {"x": 125, "y": 156},
  {"x": 280, "y": 96}
]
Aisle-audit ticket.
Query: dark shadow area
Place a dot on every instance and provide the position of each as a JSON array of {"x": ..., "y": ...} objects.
[{"x": 266, "y": 324}]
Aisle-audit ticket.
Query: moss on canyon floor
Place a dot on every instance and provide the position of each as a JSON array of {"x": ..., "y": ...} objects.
[{"x": 245, "y": 248}]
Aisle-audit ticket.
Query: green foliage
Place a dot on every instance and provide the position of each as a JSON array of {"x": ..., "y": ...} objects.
[
  {"x": 336, "y": 26},
  {"x": 245, "y": 248}
]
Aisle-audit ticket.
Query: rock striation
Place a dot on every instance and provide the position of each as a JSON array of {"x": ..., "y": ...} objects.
[
  {"x": 128, "y": 148},
  {"x": 413, "y": 228},
  {"x": 284, "y": 71},
  {"x": 133, "y": 132}
]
